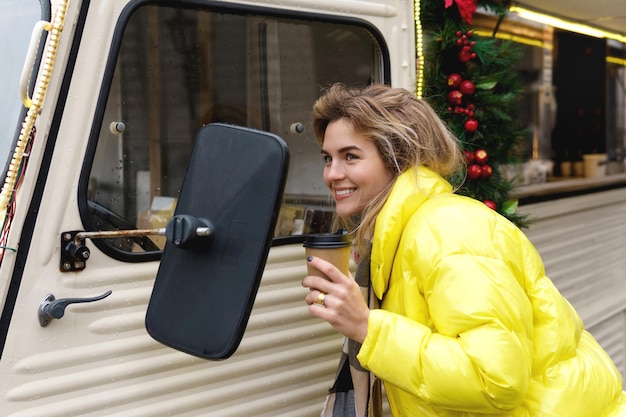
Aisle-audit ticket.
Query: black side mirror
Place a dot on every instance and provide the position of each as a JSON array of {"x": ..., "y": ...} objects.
[{"x": 218, "y": 241}]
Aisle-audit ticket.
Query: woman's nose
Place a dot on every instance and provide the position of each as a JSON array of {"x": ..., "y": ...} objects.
[{"x": 334, "y": 171}]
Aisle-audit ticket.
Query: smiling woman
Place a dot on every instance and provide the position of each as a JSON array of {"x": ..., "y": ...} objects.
[
  {"x": 365, "y": 135},
  {"x": 354, "y": 170},
  {"x": 450, "y": 306}
]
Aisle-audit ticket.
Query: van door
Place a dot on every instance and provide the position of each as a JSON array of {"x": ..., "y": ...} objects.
[{"x": 111, "y": 149}]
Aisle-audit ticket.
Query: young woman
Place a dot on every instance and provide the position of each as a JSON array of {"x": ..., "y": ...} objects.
[{"x": 469, "y": 324}]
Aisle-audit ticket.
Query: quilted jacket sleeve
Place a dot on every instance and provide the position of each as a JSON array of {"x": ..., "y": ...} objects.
[{"x": 475, "y": 353}]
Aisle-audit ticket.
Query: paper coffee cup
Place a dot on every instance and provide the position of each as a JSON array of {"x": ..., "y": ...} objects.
[{"x": 334, "y": 248}]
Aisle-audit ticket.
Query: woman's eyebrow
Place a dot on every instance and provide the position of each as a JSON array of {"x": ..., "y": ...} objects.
[{"x": 344, "y": 149}]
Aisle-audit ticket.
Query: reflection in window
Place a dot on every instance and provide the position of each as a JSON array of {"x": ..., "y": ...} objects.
[{"x": 179, "y": 69}]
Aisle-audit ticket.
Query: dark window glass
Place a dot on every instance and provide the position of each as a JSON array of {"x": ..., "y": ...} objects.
[{"x": 179, "y": 69}]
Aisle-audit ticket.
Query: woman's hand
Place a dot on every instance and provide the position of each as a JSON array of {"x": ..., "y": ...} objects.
[{"x": 343, "y": 305}]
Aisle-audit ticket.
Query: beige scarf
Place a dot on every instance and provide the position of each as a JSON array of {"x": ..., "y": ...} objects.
[{"x": 356, "y": 391}]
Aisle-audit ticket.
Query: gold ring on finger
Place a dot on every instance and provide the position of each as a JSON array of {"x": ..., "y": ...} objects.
[{"x": 320, "y": 299}]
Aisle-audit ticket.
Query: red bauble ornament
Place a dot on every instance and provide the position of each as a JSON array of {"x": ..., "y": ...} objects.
[
  {"x": 471, "y": 124},
  {"x": 454, "y": 80},
  {"x": 467, "y": 87},
  {"x": 465, "y": 56},
  {"x": 481, "y": 156},
  {"x": 490, "y": 204},
  {"x": 473, "y": 171},
  {"x": 486, "y": 171},
  {"x": 455, "y": 97},
  {"x": 469, "y": 157}
]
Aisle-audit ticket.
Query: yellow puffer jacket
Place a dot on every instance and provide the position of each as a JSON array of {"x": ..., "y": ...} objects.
[{"x": 469, "y": 323}]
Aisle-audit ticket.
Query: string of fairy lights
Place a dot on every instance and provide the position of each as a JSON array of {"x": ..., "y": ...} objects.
[
  {"x": 419, "y": 46},
  {"x": 17, "y": 166}
]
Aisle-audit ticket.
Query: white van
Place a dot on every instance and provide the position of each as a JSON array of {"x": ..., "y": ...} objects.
[{"x": 120, "y": 95}]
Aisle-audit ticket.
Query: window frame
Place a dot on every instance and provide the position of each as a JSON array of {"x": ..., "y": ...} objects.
[{"x": 107, "y": 82}]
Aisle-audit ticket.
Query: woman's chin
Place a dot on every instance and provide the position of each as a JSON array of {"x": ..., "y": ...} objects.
[{"x": 345, "y": 210}]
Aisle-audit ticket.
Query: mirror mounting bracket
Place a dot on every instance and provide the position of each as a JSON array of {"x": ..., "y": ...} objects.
[
  {"x": 183, "y": 231},
  {"x": 74, "y": 253}
]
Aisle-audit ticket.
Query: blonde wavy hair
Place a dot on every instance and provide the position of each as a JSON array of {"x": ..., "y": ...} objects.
[{"x": 405, "y": 129}]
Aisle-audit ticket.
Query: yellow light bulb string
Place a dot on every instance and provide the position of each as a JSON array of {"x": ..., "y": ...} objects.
[
  {"x": 419, "y": 87},
  {"x": 34, "y": 107}
]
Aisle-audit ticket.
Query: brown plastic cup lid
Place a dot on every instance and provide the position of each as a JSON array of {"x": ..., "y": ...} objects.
[{"x": 327, "y": 241}]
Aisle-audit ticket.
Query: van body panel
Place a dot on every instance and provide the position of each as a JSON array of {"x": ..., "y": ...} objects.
[{"x": 98, "y": 358}]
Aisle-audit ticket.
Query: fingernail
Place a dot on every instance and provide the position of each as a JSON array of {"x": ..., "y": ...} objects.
[{"x": 309, "y": 258}]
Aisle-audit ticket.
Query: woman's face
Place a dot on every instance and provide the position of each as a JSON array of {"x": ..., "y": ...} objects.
[{"x": 354, "y": 171}]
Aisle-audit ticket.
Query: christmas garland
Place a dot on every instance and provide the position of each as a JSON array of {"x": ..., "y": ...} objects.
[{"x": 471, "y": 82}]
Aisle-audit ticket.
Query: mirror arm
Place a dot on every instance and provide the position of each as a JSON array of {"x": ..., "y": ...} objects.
[{"x": 183, "y": 231}]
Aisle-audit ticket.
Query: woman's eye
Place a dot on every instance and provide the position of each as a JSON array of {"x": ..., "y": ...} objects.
[
  {"x": 351, "y": 157},
  {"x": 327, "y": 159}
]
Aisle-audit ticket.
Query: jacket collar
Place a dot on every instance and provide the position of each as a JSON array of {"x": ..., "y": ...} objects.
[{"x": 411, "y": 189}]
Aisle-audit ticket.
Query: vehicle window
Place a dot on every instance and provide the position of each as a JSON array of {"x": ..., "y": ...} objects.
[{"x": 179, "y": 69}]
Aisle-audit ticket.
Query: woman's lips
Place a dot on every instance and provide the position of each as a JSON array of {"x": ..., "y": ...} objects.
[{"x": 343, "y": 193}]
